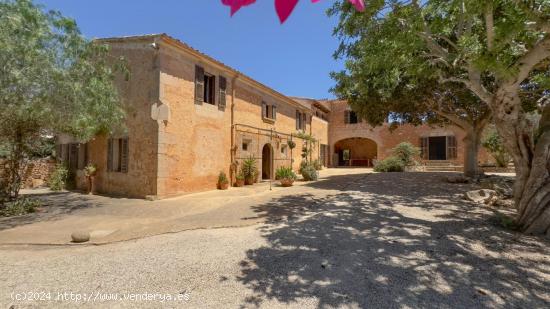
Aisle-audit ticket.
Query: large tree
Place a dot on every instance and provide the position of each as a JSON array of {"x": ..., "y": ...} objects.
[
  {"x": 498, "y": 49},
  {"x": 380, "y": 89},
  {"x": 52, "y": 80}
]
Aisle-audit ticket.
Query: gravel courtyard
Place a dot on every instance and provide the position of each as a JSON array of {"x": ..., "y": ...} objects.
[{"x": 403, "y": 240}]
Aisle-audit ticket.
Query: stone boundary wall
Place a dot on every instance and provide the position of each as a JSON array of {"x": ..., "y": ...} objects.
[{"x": 36, "y": 173}]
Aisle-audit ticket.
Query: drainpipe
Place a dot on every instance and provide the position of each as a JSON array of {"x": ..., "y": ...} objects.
[{"x": 232, "y": 172}]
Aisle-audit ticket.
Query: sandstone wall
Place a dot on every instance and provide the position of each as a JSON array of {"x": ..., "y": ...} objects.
[
  {"x": 194, "y": 144},
  {"x": 139, "y": 94},
  {"x": 386, "y": 139}
]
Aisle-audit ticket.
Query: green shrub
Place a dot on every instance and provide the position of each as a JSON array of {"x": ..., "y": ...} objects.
[
  {"x": 249, "y": 168},
  {"x": 308, "y": 171},
  {"x": 222, "y": 178},
  {"x": 390, "y": 164},
  {"x": 58, "y": 179},
  {"x": 285, "y": 173},
  {"x": 406, "y": 152},
  {"x": 240, "y": 175},
  {"x": 317, "y": 164},
  {"x": 505, "y": 222},
  {"x": 20, "y": 207},
  {"x": 494, "y": 144}
]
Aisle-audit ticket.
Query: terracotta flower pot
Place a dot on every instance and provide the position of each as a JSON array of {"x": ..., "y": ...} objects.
[
  {"x": 249, "y": 181},
  {"x": 286, "y": 182},
  {"x": 223, "y": 186},
  {"x": 239, "y": 182}
]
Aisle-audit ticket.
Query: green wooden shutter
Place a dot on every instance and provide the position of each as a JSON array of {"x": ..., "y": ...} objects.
[
  {"x": 347, "y": 116},
  {"x": 222, "y": 96},
  {"x": 124, "y": 155},
  {"x": 86, "y": 154},
  {"x": 451, "y": 148},
  {"x": 297, "y": 120},
  {"x": 424, "y": 148},
  {"x": 274, "y": 112},
  {"x": 110, "y": 155},
  {"x": 199, "y": 85}
]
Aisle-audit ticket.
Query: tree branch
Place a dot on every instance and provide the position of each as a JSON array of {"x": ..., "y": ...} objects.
[
  {"x": 474, "y": 86},
  {"x": 452, "y": 117},
  {"x": 489, "y": 25},
  {"x": 484, "y": 119},
  {"x": 531, "y": 59}
]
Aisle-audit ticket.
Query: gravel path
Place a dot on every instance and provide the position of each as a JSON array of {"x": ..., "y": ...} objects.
[{"x": 375, "y": 240}]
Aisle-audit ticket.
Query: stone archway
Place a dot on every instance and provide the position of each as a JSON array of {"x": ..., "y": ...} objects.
[
  {"x": 267, "y": 162},
  {"x": 355, "y": 151}
]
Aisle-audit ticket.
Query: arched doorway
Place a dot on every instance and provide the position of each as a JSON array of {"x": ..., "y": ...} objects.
[
  {"x": 267, "y": 162},
  {"x": 355, "y": 151}
]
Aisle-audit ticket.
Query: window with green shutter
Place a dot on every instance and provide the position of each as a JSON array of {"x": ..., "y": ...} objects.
[
  {"x": 199, "y": 85},
  {"x": 222, "y": 95},
  {"x": 118, "y": 155}
]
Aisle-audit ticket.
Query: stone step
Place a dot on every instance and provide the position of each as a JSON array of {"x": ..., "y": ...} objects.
[
  {"x": 443, "y": 168},
  {"x": 438, "y": 163}
]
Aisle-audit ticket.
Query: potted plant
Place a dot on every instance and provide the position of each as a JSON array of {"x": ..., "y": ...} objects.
[
  {"x": 291, "y": 144},
  {"x": 249, "y": 170},
  {"x": 285, "y": 175},
  {"x": 223, "y": 183},
  {"x": 239, "y": 179},
  {"x": 90, "y": 171}
]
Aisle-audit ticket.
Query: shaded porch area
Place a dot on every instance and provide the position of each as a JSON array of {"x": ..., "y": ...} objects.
[{"x": 355, "y": 152}]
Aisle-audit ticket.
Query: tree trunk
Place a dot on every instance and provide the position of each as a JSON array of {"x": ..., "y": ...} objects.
[
  {"x": 530, "y": 150},
  {"x": 472, "y": 142}
]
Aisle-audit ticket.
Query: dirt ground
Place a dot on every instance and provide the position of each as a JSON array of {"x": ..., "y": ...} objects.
[{"x": 364, "y": 240}]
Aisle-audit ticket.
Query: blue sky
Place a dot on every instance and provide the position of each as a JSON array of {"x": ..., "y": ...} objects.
[{"x": 294, "y": 58}]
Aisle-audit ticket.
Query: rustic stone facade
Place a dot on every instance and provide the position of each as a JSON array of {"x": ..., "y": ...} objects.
[
  {"x": 36, "y": 173},
  {"x": 189, "y": 117},
  {"x": 377, "y": 142}
]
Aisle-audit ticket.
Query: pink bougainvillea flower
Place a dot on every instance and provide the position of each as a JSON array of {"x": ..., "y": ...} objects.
[
  {"x": 237, "y": 4},
  {"x": 283, "y": 7},
  {"x": 359, "y": 5}
]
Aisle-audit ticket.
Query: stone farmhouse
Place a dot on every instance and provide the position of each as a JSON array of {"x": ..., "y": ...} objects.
[{"x": 190, "y": 116}]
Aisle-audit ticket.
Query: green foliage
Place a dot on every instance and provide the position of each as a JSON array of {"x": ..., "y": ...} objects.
[
  {"x": 308, "y": 171},
  {"x": 20, "y": 207},
  {"x": 222, "y": 178},
  {"x": 309, "y": 142},
  {"x": 494, "y": 144},
  {"x": 250, "y": 168},
  {"x": 4, "y": 150},
  {"x": 506, "y": 222},
  {"x": 306, "y": 137},
  {"x": 240, "y": 175},
  {"x": 317, "y": 164},
  {"x": 285, "y": 173},
  {"x": 406, "y": 152},
  {"x": 52, "y": 80},
  {"x": 58, "y": 179},
  {"x": 389, "y": 74},
  {"x": 403, "y": 58},
  {"x": 90, "y": 170},
  {"x": 390, "y": 164},
  {"x": 291, "y": 144}
]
